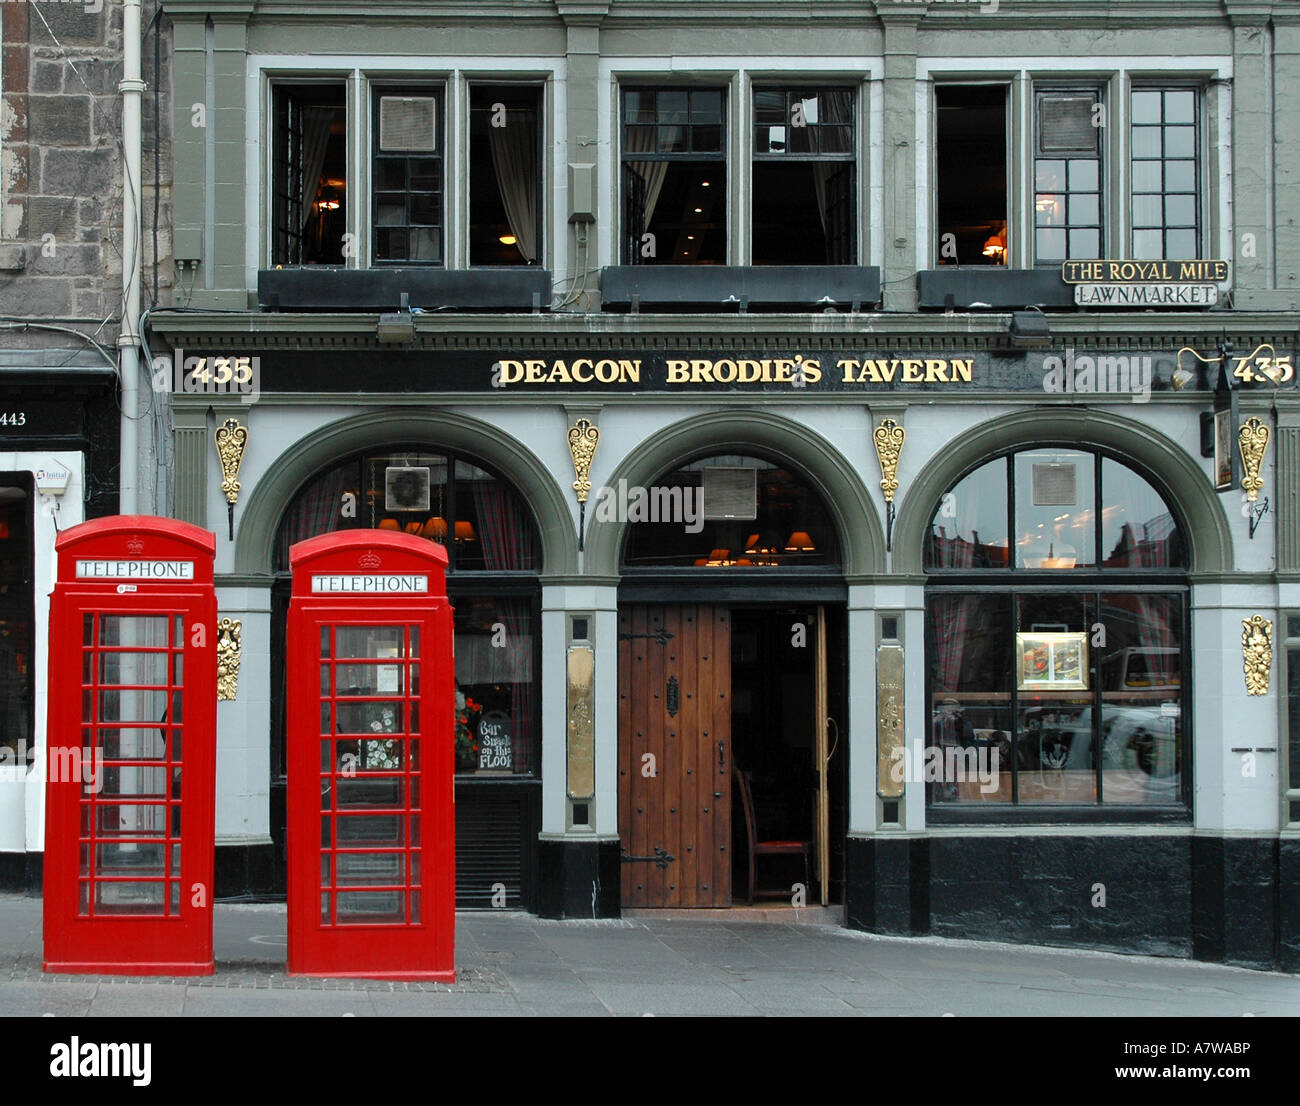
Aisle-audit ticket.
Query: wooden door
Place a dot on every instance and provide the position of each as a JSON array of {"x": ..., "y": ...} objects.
[{"x": 674, "y": 755}]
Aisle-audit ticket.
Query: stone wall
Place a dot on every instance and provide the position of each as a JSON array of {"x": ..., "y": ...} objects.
[{"x": 61, "y": 188}]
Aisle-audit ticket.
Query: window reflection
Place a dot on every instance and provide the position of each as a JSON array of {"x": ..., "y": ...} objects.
[{"x": 721, "y": 512}]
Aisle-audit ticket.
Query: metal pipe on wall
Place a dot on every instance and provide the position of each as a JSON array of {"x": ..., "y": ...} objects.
[{"x": 128, "y": 343}]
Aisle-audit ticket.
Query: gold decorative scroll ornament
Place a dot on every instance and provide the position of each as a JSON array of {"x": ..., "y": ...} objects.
[
  {"x": 231, "y": 439},
  {"x": 583, "y": 439},
  {"x": 229, "y": 644},
  {"x": 889, "y": 438},
  {"x": 1252, "y": 439},
  {"x": 1257, "y": 652}
]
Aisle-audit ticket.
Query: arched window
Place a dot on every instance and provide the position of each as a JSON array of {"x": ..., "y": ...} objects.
[
  {"x": 1056, "y": 641},
  {"x": 494, "y": 554},
  {"x": 731, "y": 511}
]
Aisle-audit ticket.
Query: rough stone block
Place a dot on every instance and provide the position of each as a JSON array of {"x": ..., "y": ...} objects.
[
  {"x": 82, "y": 24},
  {"x": 49, "y": 215},
  {"x": 59, "y": 120},
  {"x": 76, "y": 172}
]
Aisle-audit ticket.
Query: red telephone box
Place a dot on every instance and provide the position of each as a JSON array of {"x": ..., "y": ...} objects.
[
  {"x": 371, "y": 834},
  {"x": 131, "y": 774}
]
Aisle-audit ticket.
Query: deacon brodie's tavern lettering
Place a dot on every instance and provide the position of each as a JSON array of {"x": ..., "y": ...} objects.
[{"x": 794, "y": 370}]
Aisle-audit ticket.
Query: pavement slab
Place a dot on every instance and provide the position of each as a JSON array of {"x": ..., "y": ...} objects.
[{"x": 512, "y": 964}]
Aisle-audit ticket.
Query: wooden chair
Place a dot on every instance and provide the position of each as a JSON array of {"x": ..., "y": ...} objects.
[{"x": 759, "y": 848}]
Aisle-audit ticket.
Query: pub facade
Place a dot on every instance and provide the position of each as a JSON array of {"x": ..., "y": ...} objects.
[{"x": 864, "y": 441}]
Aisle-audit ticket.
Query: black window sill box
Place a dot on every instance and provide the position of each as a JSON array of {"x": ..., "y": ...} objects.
[
  {"x": 740, "y": 287},
  {"x": 973, "y": 287},
  {"x": 332, "y": 288}
]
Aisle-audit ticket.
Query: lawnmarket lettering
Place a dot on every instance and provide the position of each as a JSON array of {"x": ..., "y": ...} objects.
[
  {"x": 369, "y": 583},
  {"x": 136, "y": 570}
]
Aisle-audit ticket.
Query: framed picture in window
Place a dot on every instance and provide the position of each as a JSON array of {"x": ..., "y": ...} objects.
[
  {"x": 1222, "y": 450},
  {"x": 1052, "y": 661}
]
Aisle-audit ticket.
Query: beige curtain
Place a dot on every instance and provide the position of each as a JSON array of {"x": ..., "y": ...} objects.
[
  {"x": 641, "y": 140},
  {"x": 515, "y": 161},
  {"x": 316, "y": 124}
]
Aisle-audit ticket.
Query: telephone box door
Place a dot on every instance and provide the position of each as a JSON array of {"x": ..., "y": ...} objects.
[
  {"x": 371, "y": 825},
  {"x": 130, "y": 774}
]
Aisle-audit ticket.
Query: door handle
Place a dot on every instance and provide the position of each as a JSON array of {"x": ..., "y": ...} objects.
[{"x": 722, "y": 764}]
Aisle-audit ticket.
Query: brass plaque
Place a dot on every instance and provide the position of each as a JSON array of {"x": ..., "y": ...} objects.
[
  {"x": 889, "y": 721},
  {"x": 581, "y": 716}
]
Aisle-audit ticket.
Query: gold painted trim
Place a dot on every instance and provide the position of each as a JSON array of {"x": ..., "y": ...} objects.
[
  {"x": 889, "y": 438},
  {"x": 229, "y": 649},
  {"x": 890, "y": 762},
  {"x": 583, "y": 439},
  {"x": 1257, "y": 653},
  {"x": 231, "y": 438},
  {"x": 1252, "y": 440},
  {"x": 581, "y": 711}
]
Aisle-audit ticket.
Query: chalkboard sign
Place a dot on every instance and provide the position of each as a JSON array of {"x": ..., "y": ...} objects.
[{"x": 495, "y": 748}]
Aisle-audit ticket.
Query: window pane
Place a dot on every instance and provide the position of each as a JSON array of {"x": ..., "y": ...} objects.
[
  {"x": 1085, "y": 209},
  {"x": 1055, "y": 508},
  {"x": 1049, "y": 176},
  {"x": 1146, "y": 141},
  {"x": 1050, "y": 245},
  {"x": 1148, "y": 245},
  {"x": 671, "y": 140},
  {"x": 426, "y": 209},
  {"x": 1146, "y": 176},
  {"x": 1054, "y": 746},
  {"x": 837, "y": 140},
  {"x": 969, "y": 753},
  {"x": 426, "y": 174},
  {"x": 1147, "y": 211},
  {"x": 1181, "y": 244},
  {"x": 1085, "y": 243},
  {"x": 1049, "y": 209},
  {"x": 706, "y": 106},
  {"x": 1137, "y": 527},
  {"x": 505, "y": 175},
  {"x": 969, "y": 530},
  {"x": 390, "y": 173},
  {"x": 769, "y": 105},
  {"x": 1180, "y": 176},
  {"x": 1180, "y": 141},
  {"x": 671, "y": 529},
  {"x": 1146, "y": 107},
  {"x": 426, "y": 244},
  {"x": 707, "y": 139},
  {"x": 1140, "y": 670},
  {"x": 638, "y": 106},
  {"x": 1083, "y": 175},
  {"x": 682, "y": 204},
  {"x": 390, "y": 210},
  {"x": 1180, "y": 106},
  {"x": 497, "y": 692},
  {"x": 1180, "y": 211},
  {"x": 671, "y": 105}
]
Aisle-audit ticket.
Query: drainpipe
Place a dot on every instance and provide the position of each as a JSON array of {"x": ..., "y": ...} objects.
[{"x": 128, "y": 343}]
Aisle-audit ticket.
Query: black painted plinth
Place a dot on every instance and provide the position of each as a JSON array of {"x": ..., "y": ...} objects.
[
  {"x": 1124, "y": 893},
  {"x": 249, "y": 872},
  {"x": 579, "y": 879},
  {"x": 22, "y": 872},
  {"x": 887, "y": 884},
  {"x": 1237, "y": 891},
  {"x": 1288, "y": 914}
]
